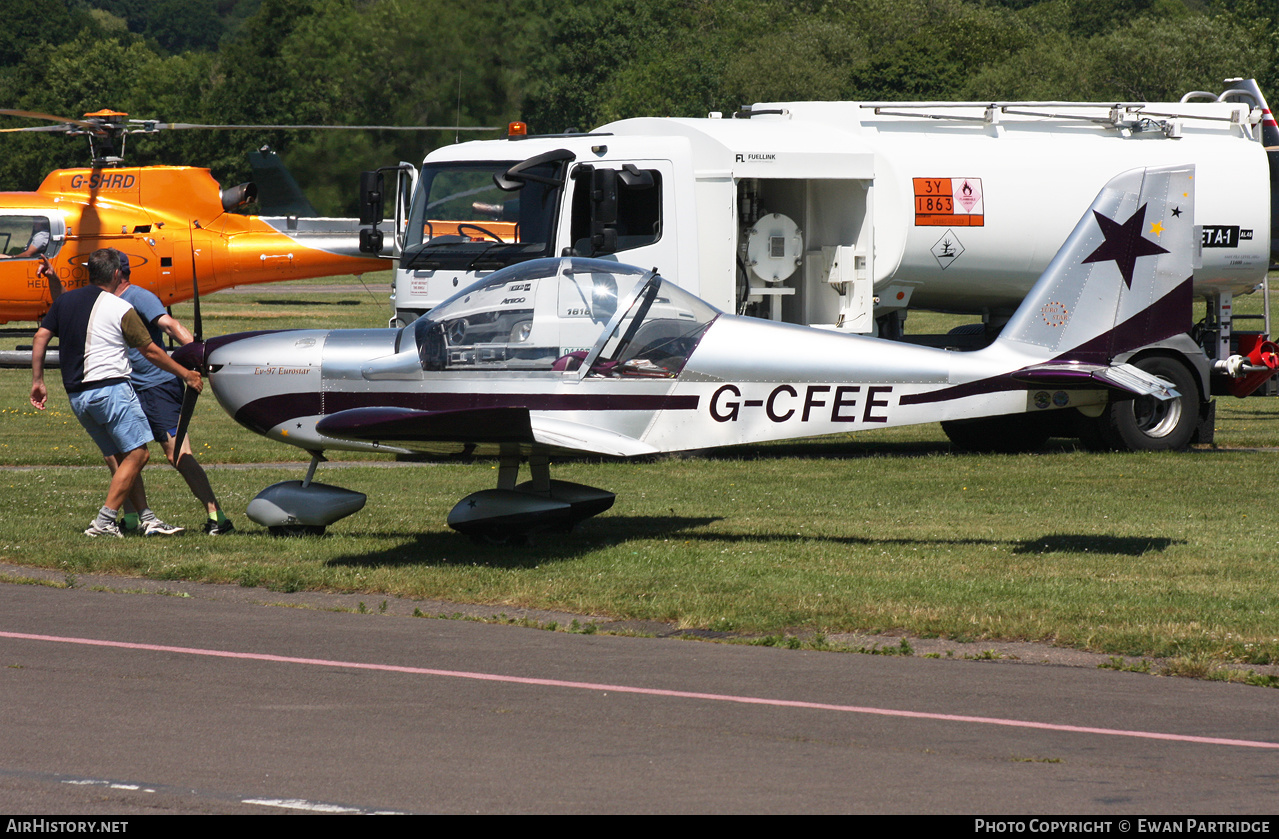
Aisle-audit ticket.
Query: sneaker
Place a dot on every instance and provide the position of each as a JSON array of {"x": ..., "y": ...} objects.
[
  {"x": 218, "y": 528},
  {"x": 105, "y": 528},
  {"x": 155, "y": 527}
]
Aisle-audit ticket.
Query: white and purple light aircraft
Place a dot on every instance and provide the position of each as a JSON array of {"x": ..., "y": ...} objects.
[{"x": 573, "y": 356}]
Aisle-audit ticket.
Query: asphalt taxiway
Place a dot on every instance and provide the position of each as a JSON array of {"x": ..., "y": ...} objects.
[{"x": 212, "y": 699}]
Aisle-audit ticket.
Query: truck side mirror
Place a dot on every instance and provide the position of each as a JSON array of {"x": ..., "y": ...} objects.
[
  {"x": 372, "y": 190},
  {"x": 371, "y": 240},
  {"x": 603, "y": 211}
]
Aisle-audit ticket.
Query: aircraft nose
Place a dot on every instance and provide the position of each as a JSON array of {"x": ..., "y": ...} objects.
[
  {"x": 266, "y": 379},
  {"x": 212, "y": 345}
]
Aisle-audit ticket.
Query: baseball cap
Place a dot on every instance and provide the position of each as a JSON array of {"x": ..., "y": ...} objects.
[{"x": 124, "y": 262}]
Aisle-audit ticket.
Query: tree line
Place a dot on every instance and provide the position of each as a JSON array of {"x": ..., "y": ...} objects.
[{"x": 567, "y": 65}]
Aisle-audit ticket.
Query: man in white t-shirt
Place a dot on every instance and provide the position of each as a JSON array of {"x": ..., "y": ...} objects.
[{"x": 95, "y": 328}]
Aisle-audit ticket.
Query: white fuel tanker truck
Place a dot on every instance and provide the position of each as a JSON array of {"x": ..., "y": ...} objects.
[{"x": 847, "y": 215}]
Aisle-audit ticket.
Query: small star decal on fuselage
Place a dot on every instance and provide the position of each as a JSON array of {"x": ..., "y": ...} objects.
[
  {"x": 1124, "y": 243},
  {"x": 1176, "y": 212}
]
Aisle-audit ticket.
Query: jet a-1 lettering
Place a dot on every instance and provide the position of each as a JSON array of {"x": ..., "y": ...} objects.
[{"x": 576, "y": 355}]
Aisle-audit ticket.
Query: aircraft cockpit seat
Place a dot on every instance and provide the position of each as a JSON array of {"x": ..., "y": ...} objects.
[
  {"x": 665, "y": 343},
  {"x": 570, "y": 362}
]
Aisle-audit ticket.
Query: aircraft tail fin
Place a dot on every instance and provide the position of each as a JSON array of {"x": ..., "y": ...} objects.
[
  {"x": 278, "y": 193},
  {"x": 1123, "y": 278}
]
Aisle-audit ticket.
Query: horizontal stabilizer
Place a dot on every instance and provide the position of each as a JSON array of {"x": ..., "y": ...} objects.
[{"x": 1122, "y": 377}]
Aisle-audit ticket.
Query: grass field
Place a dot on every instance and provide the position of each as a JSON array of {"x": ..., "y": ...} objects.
[{"x": 1149, "y": 555}]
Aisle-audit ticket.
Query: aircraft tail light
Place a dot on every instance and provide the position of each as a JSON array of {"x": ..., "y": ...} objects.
[{"x": 517, "y": 129}]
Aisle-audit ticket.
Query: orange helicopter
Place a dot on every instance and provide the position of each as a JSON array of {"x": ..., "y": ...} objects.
[{"x": 176, "y": 223}]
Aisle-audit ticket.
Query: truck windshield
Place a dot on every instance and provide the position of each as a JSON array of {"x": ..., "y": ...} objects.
[{"x": 460, "y": 220}]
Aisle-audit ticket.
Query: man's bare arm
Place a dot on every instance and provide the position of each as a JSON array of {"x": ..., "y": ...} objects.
[
  {"x": 39, "y": 393},
  {"x": 174, "y": 328},
  {"x": 51, "y": 277}
]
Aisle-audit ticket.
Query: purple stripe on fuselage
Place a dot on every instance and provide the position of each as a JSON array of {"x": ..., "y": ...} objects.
[
  {"x": 263, "y": 414},
  {"x": 383, "y": 424}
]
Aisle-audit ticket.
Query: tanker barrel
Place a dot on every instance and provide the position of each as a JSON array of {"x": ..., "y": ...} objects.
[{"x": 1272, "y": 157}]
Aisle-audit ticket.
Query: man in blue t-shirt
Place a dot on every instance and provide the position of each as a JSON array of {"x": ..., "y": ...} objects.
[{"x": 160, "y": 393}]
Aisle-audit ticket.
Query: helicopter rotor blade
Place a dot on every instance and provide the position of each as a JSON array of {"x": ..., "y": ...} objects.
[
  {"x": 50, "y": 117},
  {"x": 161, "y": 126},
  {"x": 44, "y": 129}
]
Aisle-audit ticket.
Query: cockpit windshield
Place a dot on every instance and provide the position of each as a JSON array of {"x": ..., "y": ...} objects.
[
  {"x": 461, "y": 220},
  {"x": 555, "y": 315}
]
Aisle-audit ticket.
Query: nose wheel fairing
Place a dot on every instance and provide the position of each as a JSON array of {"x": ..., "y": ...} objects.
[{"x": 303, "y": 508}]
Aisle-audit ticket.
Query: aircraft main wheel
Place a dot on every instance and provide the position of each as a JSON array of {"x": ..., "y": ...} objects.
[
  {"x": 1146, "y": 424},
  {"x": 1000, "y": 435}
]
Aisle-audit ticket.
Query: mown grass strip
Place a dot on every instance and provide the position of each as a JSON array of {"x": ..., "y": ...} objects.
[{"x": 1137, "y": 555}]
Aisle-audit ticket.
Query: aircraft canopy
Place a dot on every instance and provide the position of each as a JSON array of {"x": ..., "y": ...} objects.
[{"x": 554, "y": 315}]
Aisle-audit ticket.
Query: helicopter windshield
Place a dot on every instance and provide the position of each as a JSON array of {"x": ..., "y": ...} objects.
[
  {"x": 29, "y": 236},
  {"x": 554, "y": 315},
  {"x": 460, "y": 219}
]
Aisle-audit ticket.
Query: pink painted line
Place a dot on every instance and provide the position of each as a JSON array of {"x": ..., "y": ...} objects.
[{"x": 678, "y": 694}]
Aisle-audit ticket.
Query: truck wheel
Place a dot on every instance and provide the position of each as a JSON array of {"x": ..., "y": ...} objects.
[
  {"x": 1003, "y": 435},
  {"x": 1144, "y": 423},
  {"x": 1091, "y": 435}
]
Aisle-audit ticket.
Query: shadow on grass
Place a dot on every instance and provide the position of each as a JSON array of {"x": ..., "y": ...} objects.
[
  {"x": 1095, "y": 543},
  {"x": 449, "y": 548},
  {"x": 1068, "y": 543},
  {"x": 292, "y": 303}
]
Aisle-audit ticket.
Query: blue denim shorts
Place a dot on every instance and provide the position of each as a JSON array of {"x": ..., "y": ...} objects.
[{"x": 112, "y": 416}]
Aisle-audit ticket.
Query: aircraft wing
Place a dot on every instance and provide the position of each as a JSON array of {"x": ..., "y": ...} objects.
[
  {"x": 564, "y": 434},
  {"x": 479, "y": 426},
  {"x": 1122, "y": 377}
]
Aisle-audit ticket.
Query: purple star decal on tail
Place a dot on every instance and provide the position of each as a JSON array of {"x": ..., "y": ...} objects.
[{"x": 1124, "y": 243}]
